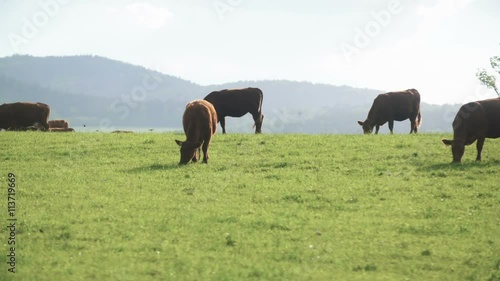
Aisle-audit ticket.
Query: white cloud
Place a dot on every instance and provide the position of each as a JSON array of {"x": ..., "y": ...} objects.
[
  {"x": 431, "y": 16},
  {"x": 443, "y": 8},
  {"x": 143, "y": 14}
]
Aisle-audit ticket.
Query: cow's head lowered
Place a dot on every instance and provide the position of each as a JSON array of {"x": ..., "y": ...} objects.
[
  {"x": 188, "y": 151},
  {"x": 367, "y": 126},
  {"x": 457, "y": 149}
]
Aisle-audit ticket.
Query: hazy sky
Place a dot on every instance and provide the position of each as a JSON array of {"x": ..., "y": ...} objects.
[{"x": 433, "y": 46}]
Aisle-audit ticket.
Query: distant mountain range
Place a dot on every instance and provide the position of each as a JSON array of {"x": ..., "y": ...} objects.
[{"x": 107, "y": 94}]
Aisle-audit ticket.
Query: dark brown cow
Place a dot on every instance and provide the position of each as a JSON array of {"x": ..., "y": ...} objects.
[
  {"x": 474, "y": 121},
  {"x": 58, "y": 124},
  {"x": 394, "y": 106},
  {"x": 236, "y": 103},
  {"x": 200, "y": 123},
  {"x": 15, "y": 116},
  {"x": 61, "y": 130}
]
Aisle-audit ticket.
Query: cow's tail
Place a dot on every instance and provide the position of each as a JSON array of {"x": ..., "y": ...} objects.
[
  {"x": 260, "y": 105},
  {"x": 259, "y": 109},
  {"x": 417, "y": 102},
  {"x": 419, "y": 120}
]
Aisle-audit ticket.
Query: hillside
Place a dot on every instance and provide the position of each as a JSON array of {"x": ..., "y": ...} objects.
[
  {"x": 93, "y": 76},
  {"x": 104, "y": 93}
]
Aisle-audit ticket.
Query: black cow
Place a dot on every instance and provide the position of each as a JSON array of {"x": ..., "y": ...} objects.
[
  {"x": 394, "y": 106},
  {"x": 236, "y": 103},
  {"x": 474, "y": 121}
]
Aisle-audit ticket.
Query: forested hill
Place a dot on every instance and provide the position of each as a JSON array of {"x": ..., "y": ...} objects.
[
  {"x": 93, "y": 76},
  {"x": 101, "y": 92}
]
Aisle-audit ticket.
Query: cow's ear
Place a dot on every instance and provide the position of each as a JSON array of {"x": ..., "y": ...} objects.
[
  {"x": 361, "y": 123},
  {"x": 178, "y": 142},
  {"x": 447, "y": 142}
]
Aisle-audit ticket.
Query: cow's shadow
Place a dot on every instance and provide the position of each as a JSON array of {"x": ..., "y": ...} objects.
[
  {"x": 152, "y": 168},
  {"x": 465, "y": 165}
]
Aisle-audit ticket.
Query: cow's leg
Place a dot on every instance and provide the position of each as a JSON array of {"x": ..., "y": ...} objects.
[
  {"x": 205, "y": 150},
  {"x": 479, "y": 146},
  {"x": 46, "y": 126},
  {"x": 391, "y": 126},
  {"x": 223, "y": 124},
  {"x": 413, "y": 126},
  {"x": 13, "y": 127},
  {"x": 196, "y": 155},
  {"x": 377, "y": 127},
  {"x": 257, "y": 118}
]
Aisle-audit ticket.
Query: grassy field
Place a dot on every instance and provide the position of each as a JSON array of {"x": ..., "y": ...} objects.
[{"x": 95, "y": 206}]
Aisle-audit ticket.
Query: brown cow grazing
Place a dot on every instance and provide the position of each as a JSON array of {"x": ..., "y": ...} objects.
[
  {"x": 200, "y": 123},
  {"x": 474, "y": 121},
  {"x": 58, "y": 124},
  {"x": 18, "y": 115},
  {"x": 236, "y": 103},
  {"x": 61, "y": 130},
  {"x": 394, "y": 106}
]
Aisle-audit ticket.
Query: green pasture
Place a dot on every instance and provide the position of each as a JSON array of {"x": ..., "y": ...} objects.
[{"x": 96, "y": 206}]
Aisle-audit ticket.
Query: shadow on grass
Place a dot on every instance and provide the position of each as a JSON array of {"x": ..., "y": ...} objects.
[
  {"x": 152, "y": 168},
  {"x": 466, "y": 165}
]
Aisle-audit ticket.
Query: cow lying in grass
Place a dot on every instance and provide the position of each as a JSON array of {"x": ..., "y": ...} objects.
[{"x": 58, "y": 124}]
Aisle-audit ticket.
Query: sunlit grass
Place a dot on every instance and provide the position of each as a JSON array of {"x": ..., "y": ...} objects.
[{"x": 267, "y": 207}]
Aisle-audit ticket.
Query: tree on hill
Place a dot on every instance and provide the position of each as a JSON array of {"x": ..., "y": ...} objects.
[{"x": 489, "y": 80}]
